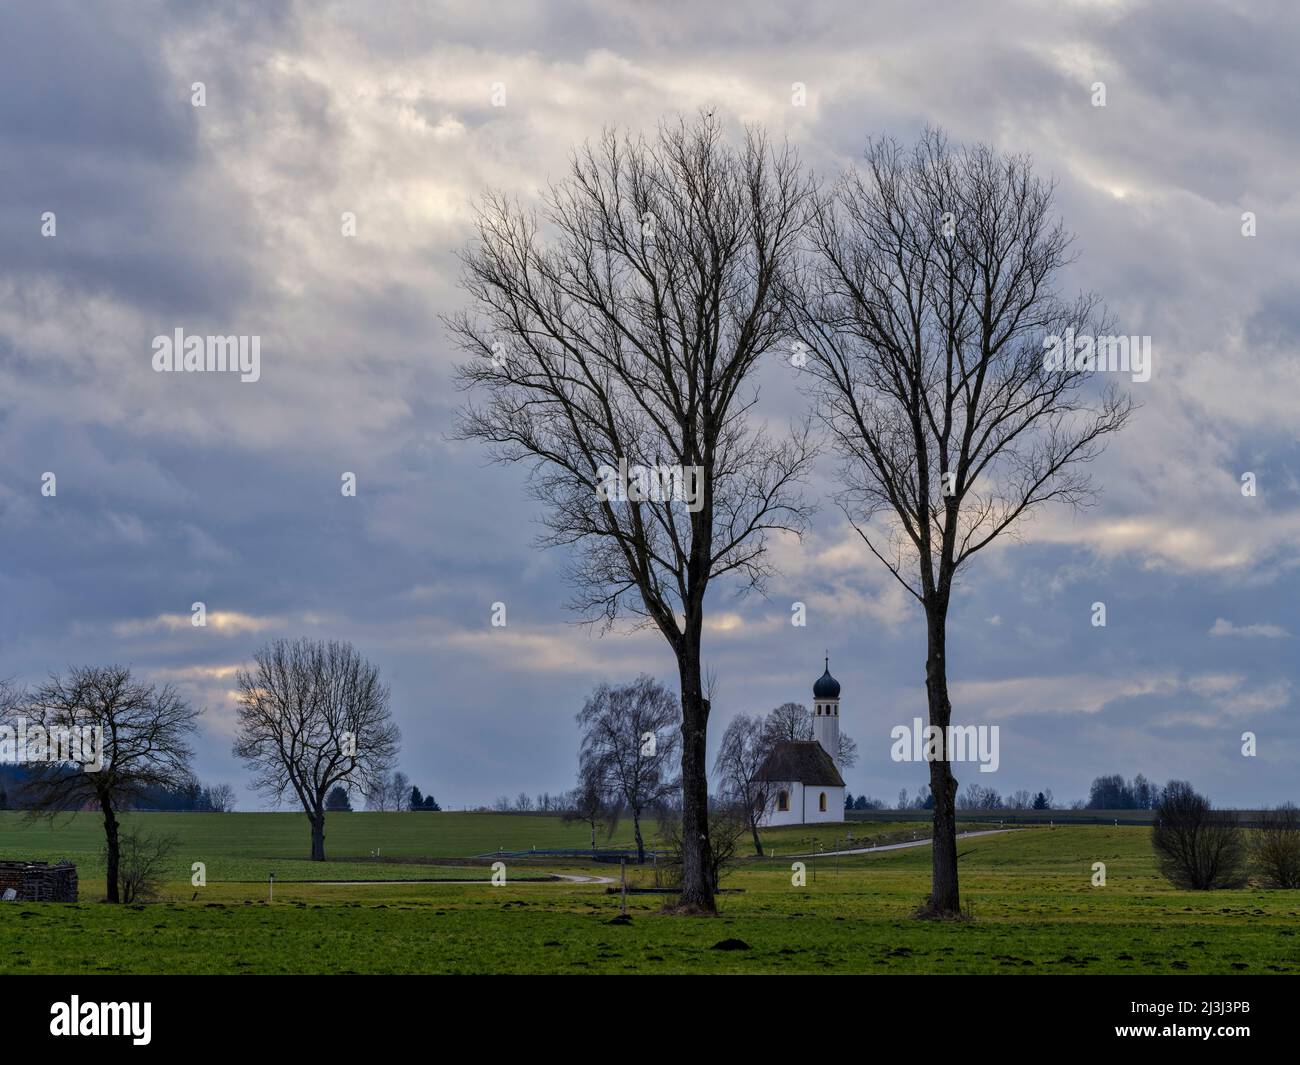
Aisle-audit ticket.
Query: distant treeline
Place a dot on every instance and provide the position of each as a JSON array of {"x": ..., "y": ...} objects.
[
  {"x": 1111, "y": 792},
  {"x": 1115, "y": 793},
  {"x": 193, "y": 797},
  {"x": 974, "y": 797}
]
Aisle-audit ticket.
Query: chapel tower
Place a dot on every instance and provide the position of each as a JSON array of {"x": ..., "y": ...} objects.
[{"x": 826, "y": 713}]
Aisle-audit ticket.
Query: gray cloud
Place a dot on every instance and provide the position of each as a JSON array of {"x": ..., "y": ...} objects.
[{"x": 226, "y": 219}]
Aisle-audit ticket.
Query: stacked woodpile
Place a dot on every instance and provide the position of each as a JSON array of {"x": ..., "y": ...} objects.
[{"x": 39, "y": 881}]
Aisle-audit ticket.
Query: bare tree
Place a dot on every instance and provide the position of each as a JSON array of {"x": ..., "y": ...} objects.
[
  {"x": 143, "y": 863},
  {"x": 629, "y": 742},
  {"x": 391, "y": 793},
  {"x": 977, "y": 797},
  {"x": 1197, "y": 847},
  {"x": 589, "y": 805},
  {"x": 622, "y": 349},
  {"x": 378, "y": 799},
  {"x": 1275, "y": 848},
  {"x": 745, "y": 746},
  {"x": 399, "y": 791},
  {"x": 728, "y": 823},
  {"x": 925, "y": 311},
  {"x": 222, "y": 798},
  {"x": 11, "y": 699},
  {"x": 791, "y": 721},
  {"x": 313, "y": 716},
  {"x": 145, "y": 732}
]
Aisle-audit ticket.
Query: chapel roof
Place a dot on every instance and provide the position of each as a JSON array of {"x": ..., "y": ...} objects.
[{"x": 804, "y": 761}]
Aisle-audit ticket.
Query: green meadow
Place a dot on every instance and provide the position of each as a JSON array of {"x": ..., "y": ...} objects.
[{"x": 1032, "y": 904}]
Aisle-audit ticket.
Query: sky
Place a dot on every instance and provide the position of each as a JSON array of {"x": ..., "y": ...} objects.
[{"x": 226, "y": 219}]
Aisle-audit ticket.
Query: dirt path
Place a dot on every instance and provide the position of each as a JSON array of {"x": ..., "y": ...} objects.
[
  {"x": 899, "y": 846},
  {"x": 576, "y": 878},
  {"x": 551, "y": 878}
]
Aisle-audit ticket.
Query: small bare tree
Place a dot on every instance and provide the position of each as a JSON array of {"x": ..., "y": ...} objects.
[
  {"x": 616, "y": 338},
  {"x": 791, "y": 721},
  {"x": 391, "y": 794},
  {"x": 399, "y": 791},
  {"x": 745, "y": 746},
  {"x": 728, "y": 823},
  {"x": 313, "y": 716},
  {"x": 11, "y": 699},
  {"x": 1197, "y": 847},
  {"x": 924, "y": 311},
  {"x": 143, "y": 863},
  {"x": 222, "y": 798},
  {"x": 629, "y": 742},
  {"x": 1275, "y": 848},
  {"x": 978, "y": 797},
  {"x": 146, "y": 731},
  {"x": 588, "y": 804}
]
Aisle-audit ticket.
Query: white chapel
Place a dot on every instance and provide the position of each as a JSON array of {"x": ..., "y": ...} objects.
[{"x": 801, "y": 778}]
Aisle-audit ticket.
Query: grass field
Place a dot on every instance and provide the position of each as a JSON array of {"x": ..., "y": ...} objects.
[
  {"x": 1034, "y": 909},
  {"x": 246, "y": 847}
]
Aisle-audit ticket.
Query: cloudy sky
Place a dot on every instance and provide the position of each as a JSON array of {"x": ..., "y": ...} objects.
[{"x": 225, "y": 219}]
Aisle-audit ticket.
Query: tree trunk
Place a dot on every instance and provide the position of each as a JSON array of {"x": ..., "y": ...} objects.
[
  {"x": 697, "y": 881},
  {"x": 640, "y": 844},
  {"x": 113, "y": 848},
  {"x": 317, "y": 836},
  {"x": 945, "y": 900},
  {"x": 758, "y": 844}
]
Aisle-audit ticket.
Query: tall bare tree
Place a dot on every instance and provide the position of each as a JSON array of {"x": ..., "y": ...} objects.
[
  {"x": 744, "y": 749},
  {"x": 146, "y": 732},
  {"x": 630, "y": 739},
  {"x": 925, "y": 311},
  {"x": 618, "y": 327},
  {"x": 312, "y": 716}
]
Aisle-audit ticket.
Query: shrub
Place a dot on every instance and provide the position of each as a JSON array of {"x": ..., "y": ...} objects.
[
  {"x": 1197, "y": 847},
  {"x": 1275, "y": 848},
  {"x": 140, "y": 867}
]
